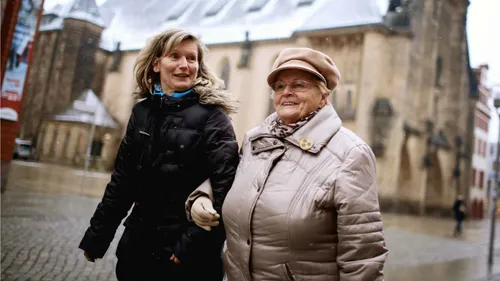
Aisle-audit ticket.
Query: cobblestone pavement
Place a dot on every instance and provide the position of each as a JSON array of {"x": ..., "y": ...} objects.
[
  {"x": 41, "y": 226},
  {"x": 40, "y": 236}
]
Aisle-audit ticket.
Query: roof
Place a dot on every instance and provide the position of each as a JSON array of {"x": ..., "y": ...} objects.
[
  {"x": 86, "y": 10},
  {"x": 227, "y": 21},
  {"x": 347, "y": 14},
  {"x": 89, "y": 109}
]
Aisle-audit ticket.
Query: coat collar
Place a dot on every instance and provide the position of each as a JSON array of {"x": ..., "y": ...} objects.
[{"x": 312, "y": 136}]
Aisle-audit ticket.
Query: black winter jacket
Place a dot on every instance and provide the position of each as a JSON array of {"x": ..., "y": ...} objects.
[{"x": 170, "y": 147}]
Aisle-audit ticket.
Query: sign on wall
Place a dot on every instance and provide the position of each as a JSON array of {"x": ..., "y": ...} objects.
[{"x": 18, "y": 59}]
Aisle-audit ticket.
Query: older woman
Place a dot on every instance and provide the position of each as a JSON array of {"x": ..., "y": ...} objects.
[
  {"x": 177, "y": 137},
  {"x": 304, "y": 202}
]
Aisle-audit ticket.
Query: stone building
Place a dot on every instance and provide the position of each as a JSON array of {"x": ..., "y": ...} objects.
[
  {"x": 64, "y": 138},
  {"x": 406, "y": 86},
  {"x": 480, "y": 160},
  {"x": 66, "y": 64}
]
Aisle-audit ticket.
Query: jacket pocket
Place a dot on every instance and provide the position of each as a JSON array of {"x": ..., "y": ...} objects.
[{"x": 288, "y": 272}]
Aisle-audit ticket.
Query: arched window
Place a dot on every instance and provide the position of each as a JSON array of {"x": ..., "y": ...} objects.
[
  {"x": 225, "y": 69},
  {"x": 66, "y": 144},
  {"x": 439, "y": 69},
  {"x": 53, "y": 144}
]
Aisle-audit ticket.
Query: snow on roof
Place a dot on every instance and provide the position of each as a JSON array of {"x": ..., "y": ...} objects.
[
  {"x": 344, "y": 14},
  {"x": 86, "y": 10},
  {"x": 134, "y": 23},
  {"x": 56, "y": 24},
  {"x": 81, "y": 15},
  {"x": 89, "y": 109}
]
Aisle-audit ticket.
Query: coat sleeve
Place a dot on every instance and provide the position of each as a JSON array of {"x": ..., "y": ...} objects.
[
  {"x": 205, "y": 189},
  {"x": 222, "y": 153},
  {"x": 116, "y": 201},
  {"x": 361, "y": 246}
]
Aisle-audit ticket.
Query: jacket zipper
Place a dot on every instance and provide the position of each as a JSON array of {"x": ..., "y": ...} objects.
[{"x": 161, "y": 101}]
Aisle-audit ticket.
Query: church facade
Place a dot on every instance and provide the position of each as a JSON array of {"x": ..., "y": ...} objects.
[{"x": 406, "y": 86}]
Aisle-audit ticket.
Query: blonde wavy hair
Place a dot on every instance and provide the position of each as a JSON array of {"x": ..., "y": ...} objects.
[{"x": 158, "y": 47}]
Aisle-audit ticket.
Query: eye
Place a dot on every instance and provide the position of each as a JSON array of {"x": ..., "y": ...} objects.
[
  {"x": 174, "y": 56},
  {"x": 278, "y": 87},
  {"x": 298, "y": 85},
  {"x": 192, "y": 58}
]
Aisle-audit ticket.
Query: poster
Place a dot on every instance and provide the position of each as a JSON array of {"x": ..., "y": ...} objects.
[{"x": 18, "y": 59}]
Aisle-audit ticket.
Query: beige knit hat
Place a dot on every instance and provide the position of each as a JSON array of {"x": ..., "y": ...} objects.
[{"x": 309, "y": 60}]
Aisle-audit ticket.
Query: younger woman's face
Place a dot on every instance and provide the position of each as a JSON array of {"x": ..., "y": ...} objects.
[{"x": 179, "y": 68}]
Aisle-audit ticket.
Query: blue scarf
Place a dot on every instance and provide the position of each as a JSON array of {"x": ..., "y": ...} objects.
[{"x": 157, "y": 90}]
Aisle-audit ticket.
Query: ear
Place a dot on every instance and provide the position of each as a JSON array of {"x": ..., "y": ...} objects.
[
  {"x": 323, "y": 101},
  {"x": 156, "y": 67}
]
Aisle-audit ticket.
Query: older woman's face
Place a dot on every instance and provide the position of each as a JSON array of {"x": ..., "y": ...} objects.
[
  {"x": 179, "y": 68},
  {"x": 296, "y": 95}
]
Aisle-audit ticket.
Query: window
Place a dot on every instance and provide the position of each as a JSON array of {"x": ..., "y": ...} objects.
[
  {"x": 481, "y": 179},
  {"x": 435, "y": 8},
  {"x": 257, "y": 5},
  {"x": 66, "y": 144},
  {"x": 215, "y": 8},
  {"x": 482, "y": 122},
  {"x": 178, "y": 10},
  {"x": 53, "y": 143},
  {"x": 303, "y": 3},
  {"x": 96, "y": 149},
  {"x": 492, "y": 149},
  {"x": 225, "y": 70},
  {"x": 439, "y": 69},
  {"x": 116, "y": 58},
  {"x": 473, "y": 177}
]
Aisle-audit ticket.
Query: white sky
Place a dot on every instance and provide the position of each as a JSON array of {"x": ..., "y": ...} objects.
[{"x": 484, "y": 41}]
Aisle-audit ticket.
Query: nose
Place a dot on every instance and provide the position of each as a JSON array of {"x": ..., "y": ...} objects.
[
  {"x": 183, "y": 63},
  {"x": 288, "y": 90}
]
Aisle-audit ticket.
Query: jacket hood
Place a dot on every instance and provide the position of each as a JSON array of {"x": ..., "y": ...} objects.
[{"x": 211, "y": 95}]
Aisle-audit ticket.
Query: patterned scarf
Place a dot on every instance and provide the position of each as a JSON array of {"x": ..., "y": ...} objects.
[{"x": 282, "y": 130}]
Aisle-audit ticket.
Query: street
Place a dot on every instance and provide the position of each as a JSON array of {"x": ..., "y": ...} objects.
[{"x": 43, "y": 222}]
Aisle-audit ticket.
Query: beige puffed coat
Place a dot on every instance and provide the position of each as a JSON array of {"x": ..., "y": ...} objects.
[{"x": 304, "y": 208}]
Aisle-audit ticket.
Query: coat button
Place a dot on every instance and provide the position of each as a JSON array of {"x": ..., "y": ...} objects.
[
  {"x": 248, "y": 242},
  {"x": 253, "y": 147},
  {"x": 275, "y": 142}
]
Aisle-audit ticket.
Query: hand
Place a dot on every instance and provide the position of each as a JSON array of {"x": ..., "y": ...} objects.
[
  {"x": 203, "y": 213},
  {"x": 90, "y": 259},
  {"x": 175, "y": 259}
]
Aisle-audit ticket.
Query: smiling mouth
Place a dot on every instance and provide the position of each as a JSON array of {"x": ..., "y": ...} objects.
[
  {"x": 181, "y": 75},
  {"x": 288, "y": 103}
]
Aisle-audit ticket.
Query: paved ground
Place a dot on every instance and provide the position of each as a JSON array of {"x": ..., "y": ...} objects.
[{"x": 42, "y": 224}]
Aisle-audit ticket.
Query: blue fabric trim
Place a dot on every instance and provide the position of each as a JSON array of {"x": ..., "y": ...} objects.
[
  {"x": 157, "y": 90},
  {"x": 181, "y": 94}
]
